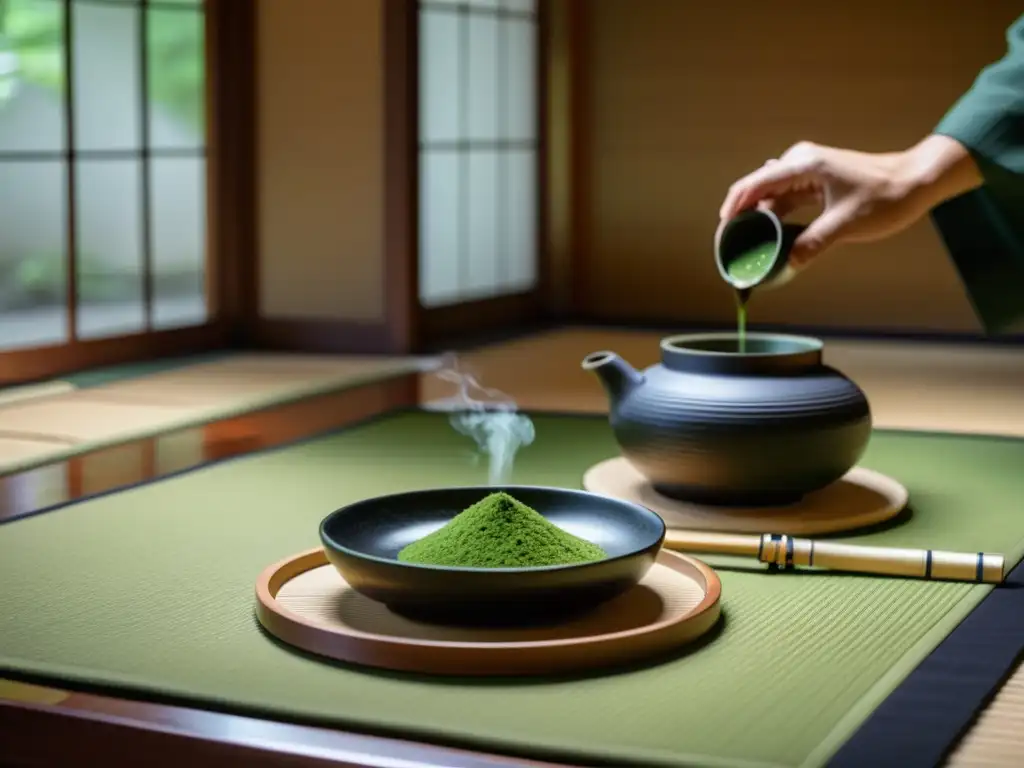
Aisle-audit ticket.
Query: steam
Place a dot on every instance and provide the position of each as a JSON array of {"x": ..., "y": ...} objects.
[{"x": 488, "y": 416}]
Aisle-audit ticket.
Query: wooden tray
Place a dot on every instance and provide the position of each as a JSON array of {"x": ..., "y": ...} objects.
[
  {"x": 305, "y": 602},
  {"x": 862, "y": 497}
]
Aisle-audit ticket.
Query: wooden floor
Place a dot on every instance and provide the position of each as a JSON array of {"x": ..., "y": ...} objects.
[
  {"x": 44, "y": 423},
  {"x": 937, "y": 387},
  {"x": 959, "y": 388}
]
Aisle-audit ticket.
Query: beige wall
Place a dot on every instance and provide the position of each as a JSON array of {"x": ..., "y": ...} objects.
[
  {"x": 321, "y": 159},
  {"x": 687, "y": 96}
]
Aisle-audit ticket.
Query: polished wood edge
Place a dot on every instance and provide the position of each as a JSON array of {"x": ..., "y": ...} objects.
[
  {"x": 232, "y": 161},
  {"x": 465, "y": 658},
  {"x": 95, "y": 730},
  {"x": 547, "y": 298},
  {"x": 89, "y": 474},
  {"x": 401, "y": 173},
  {"x": 216, "y": 291},
  {"x": 580, "y": 150},
  {"x": 42, "y": 363},
  {"x": 440, "y": 324},
  {"x": 330, "y": 336},
  {"x": 71, "y": 172}
]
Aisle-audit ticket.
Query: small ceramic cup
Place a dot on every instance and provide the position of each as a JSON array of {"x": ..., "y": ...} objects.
[{"x": 751, "y": 229}]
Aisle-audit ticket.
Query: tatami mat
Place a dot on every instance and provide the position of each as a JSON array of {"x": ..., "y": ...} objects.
[
  {"x": 947, "y": 387},
  {"x": 34, "y": 391},
  {"x": 951, "y": 387},
  {"x": 997, "y": 739},
  {"x": 76, "y": 418},
  {"x": 246, "y": 380},
  {"x": 69, "y": 421},
  {"x": 23, "y": 451}
]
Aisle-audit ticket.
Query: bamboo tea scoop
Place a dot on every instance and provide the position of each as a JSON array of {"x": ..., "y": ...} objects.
[{"x": 788, "y": 552}]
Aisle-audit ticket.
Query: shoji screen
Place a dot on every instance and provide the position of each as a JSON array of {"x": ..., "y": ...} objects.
[{"x": 478, "y": 150}]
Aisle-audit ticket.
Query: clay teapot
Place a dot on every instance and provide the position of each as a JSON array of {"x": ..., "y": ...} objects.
[{"x": 713, "y": 425}]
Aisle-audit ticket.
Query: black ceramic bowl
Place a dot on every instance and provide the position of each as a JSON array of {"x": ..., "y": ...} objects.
[{"x": 362, "y": 542}]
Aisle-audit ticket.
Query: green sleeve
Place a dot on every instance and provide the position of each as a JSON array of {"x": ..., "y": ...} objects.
[
  {"x": 983, "y": 230},
  {"x": 989, "y": 118}
]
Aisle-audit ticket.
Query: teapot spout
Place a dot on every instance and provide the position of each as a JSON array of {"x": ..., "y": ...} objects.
[{"x": 617, "y": 376}]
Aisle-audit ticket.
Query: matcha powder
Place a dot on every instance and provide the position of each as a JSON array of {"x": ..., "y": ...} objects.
[{"x": 500, "y": 532}]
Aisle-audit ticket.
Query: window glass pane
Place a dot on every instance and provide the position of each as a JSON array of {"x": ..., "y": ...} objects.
[
  {"x": 520, "y": 223},
  {"x": 109, "y": 259},
  {"x": 483, "y": 3},
  {"x": 440, "y": 76},
  {"x": 179, "y": 241},
  {"x": 32, "y": 115},
  {"x": 520, "y": 6},
  {"x": 33, "y": 254},
  {"x": 482, "y": 222},
  {"x": 106, "y": 76},
  {"x": 520, "y": 51},
  {"x": 483, "y": 90},
  {"x": 176, "y": 74},
  {"x": 440, "y": 219}
]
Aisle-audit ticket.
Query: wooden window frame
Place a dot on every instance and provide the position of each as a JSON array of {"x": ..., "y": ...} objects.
[
  {"x": 230, "y": 208},
  {"x": 436, "y": 325},
  {"x": 232, "y": 194}
]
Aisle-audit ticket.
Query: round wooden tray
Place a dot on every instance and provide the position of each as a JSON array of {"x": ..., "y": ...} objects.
[
  {"x": 860, "y": 498},
  {"x": 305, "y": 602}
]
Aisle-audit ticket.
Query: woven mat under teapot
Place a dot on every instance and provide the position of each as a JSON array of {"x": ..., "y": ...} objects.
[{"x": 860, "y": 498}]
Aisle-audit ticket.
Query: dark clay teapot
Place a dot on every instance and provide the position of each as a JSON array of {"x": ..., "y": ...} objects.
[{"x": 713, "y": 425}]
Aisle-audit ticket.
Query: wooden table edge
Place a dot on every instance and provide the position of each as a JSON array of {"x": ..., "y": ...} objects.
[{"x": 84, "y": 726}]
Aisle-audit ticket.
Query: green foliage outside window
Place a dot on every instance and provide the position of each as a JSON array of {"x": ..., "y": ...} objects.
[
  {"x": 32, "y": 30},
  {"x": 31, "y": 53}
]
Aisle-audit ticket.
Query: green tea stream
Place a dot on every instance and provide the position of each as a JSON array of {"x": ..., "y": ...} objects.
[
  {"x": 742, "y": 295},
  {"x": 747, "y": 269}
]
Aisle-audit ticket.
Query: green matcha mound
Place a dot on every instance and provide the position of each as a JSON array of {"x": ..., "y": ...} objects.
[{"x": 500, "y": 532}]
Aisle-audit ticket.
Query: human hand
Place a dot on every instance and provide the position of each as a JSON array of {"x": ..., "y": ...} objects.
[{"x": 862, "y": 196}]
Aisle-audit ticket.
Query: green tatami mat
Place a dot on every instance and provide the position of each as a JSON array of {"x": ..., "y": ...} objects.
[
  {"x": 97, "y": 377},
  {"x": 150, "y": 591}
]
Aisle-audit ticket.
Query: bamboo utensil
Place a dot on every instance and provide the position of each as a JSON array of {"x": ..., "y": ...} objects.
[{"x": 789, "y": 552}]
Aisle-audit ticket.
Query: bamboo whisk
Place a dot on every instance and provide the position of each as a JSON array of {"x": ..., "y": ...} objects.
[{"x": 789, "y": 552}]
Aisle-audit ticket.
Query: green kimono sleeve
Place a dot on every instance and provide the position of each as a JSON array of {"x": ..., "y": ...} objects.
[{"x": 983, "y": 230}]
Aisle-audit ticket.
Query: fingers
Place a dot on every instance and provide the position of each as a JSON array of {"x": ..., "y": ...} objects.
[
  {"x": 796, "y": 170},
  {"x": 785, "y": 204},
  {"x": 768, "y": 181},
  {"x": 820, "y": 235},
  {"x": 767, "y": 204}
]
